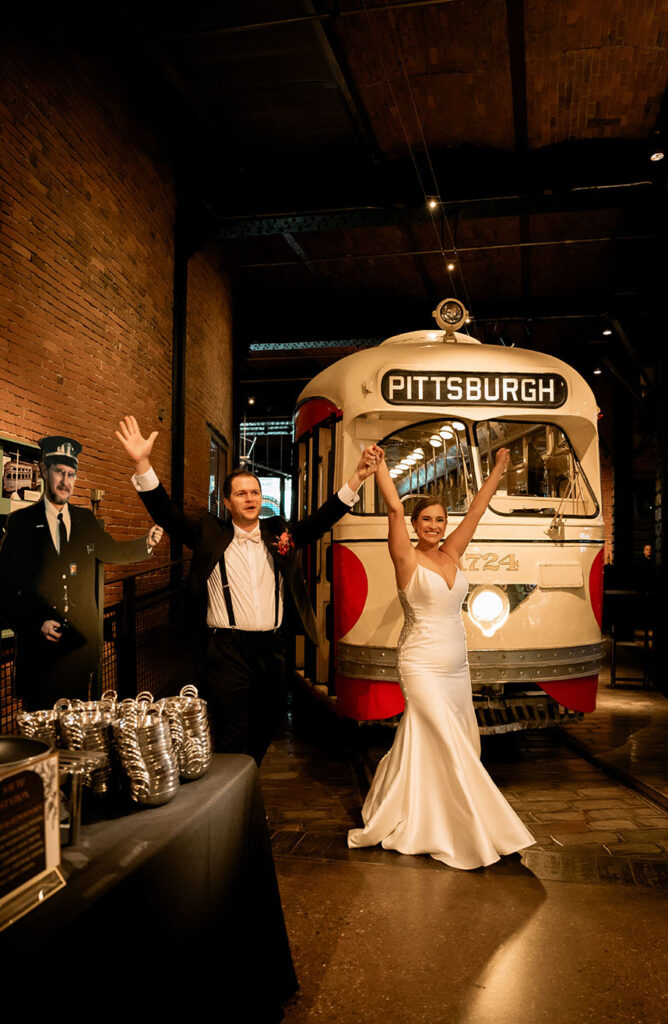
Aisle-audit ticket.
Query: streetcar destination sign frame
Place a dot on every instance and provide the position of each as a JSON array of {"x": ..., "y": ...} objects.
[{"x": 519, "y": 390}]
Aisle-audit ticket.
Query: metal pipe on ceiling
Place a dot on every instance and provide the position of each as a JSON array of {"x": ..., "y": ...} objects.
[{"x": 349, "y": 257}]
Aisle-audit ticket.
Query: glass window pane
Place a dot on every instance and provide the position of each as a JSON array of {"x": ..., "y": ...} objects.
[
  {"x": 276, "y": 496},
  {"x": 544, "y": 476},
  {"x": 217, "y": 474},
  {"x": 431, "y": 458}
]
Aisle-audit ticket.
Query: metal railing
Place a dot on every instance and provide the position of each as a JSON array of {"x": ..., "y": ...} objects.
[{"x": 146, "y": 645}]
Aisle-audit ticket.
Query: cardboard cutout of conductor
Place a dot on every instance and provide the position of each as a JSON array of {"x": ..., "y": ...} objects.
[{"x": 48, "y": 593}]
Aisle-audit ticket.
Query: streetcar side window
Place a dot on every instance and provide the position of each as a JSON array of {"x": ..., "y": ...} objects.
[
  {"x": 544, "y": 476},
  {"x": 431, "y": 458},
  {"x": 304, "y": 477}
]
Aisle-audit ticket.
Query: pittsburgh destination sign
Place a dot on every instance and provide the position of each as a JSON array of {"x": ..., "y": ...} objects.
[{"x": 415, "y": 387}]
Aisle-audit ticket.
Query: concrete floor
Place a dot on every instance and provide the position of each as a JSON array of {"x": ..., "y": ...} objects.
[
  {"x": 573, "y": 931},
  {"x": 373, "y": 944}
]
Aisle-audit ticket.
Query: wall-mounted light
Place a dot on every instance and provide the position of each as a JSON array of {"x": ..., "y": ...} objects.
[
  {"x": 432, "y": 202},
  {"x": 598, "y": 371},
  {"x": 656, "y": 146}
]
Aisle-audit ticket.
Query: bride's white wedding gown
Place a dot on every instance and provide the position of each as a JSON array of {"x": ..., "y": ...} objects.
[{"x": 431, "y": 793}]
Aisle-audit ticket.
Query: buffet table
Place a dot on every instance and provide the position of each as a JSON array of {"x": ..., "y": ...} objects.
[{"x": 179, "y": 902}]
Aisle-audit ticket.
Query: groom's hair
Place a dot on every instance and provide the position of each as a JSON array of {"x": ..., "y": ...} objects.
[
  {"x": 241, "y": 471},
  {"x": 427, "y": 502}
]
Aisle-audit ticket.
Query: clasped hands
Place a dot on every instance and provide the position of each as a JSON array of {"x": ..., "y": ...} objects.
[{"x": 372, "y": 456}]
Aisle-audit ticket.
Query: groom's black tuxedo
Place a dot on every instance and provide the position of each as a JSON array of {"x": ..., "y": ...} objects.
[{"x": 244, "y": 675}]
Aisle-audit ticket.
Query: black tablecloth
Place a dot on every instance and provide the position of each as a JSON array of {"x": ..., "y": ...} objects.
[{"x": 174, "y": 903}]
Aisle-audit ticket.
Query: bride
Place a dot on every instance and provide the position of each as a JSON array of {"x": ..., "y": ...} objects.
[{"x": 431, "y": 793}]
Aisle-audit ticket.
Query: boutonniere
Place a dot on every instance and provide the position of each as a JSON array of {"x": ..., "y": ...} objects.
[{"x": 284, "y": 543}]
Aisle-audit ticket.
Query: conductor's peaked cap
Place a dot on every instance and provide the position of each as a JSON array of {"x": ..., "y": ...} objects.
[{"x": 60, "y": 449}]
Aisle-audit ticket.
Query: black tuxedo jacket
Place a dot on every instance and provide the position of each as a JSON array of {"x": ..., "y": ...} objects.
[
  {"x": 209, "y": 537},
  {"x": 36, "y": 584}
]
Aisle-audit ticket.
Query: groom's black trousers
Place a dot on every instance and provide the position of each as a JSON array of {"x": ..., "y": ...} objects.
[{"x": 244, "y": 688}]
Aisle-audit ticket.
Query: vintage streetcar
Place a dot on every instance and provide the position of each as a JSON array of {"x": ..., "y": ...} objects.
[{"x": 441, "y": 404}]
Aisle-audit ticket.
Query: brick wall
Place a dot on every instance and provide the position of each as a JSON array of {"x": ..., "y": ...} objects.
[
  {"x": 87, "y": 210},
  {"x": 607, "y": 498},
  {"x": 208, "y": 371}
]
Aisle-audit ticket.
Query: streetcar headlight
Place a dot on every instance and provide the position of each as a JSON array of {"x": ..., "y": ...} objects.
[
  {"x": 451, "y": 313},
  {"x": 488, "y": 608}
]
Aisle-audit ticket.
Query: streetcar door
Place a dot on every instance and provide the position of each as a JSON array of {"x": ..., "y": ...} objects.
[{"x": 316, "y": 459}]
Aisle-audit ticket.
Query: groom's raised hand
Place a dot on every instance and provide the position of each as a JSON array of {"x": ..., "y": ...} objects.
[
  {"x": 137, "y": 446},
  {"x": 370, "y": 461},
  {"x": 368, "y": 464}
]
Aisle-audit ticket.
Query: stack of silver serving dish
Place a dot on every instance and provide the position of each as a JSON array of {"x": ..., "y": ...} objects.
[
  {"x": 155, "y": 742},
  {"x": 191, "y": 735},
  {"x": 143, "y": 741},
  {"x": 86, "y": 725},
  {"x": 39, "y": 725}
]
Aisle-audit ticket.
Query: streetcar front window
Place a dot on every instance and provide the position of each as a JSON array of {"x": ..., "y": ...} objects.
[
  {"x": 431, "y": 458},
  {"x": 544, "y": 476}
]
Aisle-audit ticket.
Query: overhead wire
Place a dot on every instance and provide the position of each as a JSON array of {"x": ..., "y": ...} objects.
[{"x": 435, "y": 193}]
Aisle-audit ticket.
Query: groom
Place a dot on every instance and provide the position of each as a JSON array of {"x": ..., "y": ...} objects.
[{"x": 244, "y": 574}]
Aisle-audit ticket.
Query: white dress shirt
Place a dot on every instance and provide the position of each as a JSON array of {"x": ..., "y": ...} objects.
[
  {"x": 250, "y": 573},
  {"x": 52, "y": 512}
]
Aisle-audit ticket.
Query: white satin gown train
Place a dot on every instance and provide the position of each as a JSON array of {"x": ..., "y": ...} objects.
[{"x": 431, "y": 793}]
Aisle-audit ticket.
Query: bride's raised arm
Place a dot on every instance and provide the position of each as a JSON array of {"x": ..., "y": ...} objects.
[
  {"x": 402, "y": 551},
  {"x": 458, "y": 541}
]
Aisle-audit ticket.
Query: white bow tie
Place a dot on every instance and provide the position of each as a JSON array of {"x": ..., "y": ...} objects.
[{"x": 253, "y": 535}]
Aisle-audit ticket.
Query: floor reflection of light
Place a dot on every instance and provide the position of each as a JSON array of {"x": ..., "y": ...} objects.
[{"x": 508, "y": 981}]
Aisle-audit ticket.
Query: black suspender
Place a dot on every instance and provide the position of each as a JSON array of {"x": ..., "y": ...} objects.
[
  {"x": 226, "y": 593},
  {"x": 228, "y": 597}
]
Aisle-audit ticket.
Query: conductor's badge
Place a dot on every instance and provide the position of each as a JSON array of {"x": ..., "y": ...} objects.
[
  {"x": 73, "y": 569},
  {"x": 90, "y": 548}
]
